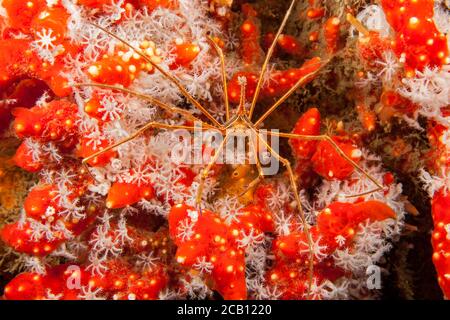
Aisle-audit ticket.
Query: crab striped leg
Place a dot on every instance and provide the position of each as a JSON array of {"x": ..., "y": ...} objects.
[
  {"x": 166, "y": 107},
  {"x": 205, "y": 172},
  {"x": 224, "y": 76},
  {"x": 306, "y": 226},
  {"x": 146, "y": 127},
  {"x": 268, "y": 56},
  {"x": 167, "y": 75},
  {"x": 327, "y": 138}
]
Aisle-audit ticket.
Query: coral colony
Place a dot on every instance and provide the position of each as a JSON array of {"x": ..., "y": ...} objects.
[{"x": 101, "y": 98}]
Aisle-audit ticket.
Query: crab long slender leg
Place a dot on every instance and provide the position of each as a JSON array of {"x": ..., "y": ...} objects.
[
  {"x": 266, "y": 60},
  {"x": 224, "y": 76},
  {"x": 260, "y": 176},
  {"x": 166, "y": 75},
  {"x": 300, "y": 82},
  {"x": 338, "y": 150},
  {"x": 131, "y": 137},
  {"x": 204, "y": 173},
  {"x": 154, "y": 101},
  {"x": 306, "y": 226}
]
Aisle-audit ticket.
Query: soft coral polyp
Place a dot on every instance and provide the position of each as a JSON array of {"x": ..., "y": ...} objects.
[{"x": 417, "y": 41}]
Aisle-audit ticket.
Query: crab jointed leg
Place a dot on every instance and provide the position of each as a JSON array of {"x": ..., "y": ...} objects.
[
  {"x": 204, "y": 173},
  {"x": 266, "y": 60},
  {"x": 133, "y": 136},
  {"x": 338, "y": 150},
  {"x": 224, "y": 76},
  {"x": 317, "y": 67},
  {"x": 166, "y": 75},
  {"x": 306, "y": 226},
  {"x": 169, "y": 108},
  {"x": 260, "y": 176}
]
